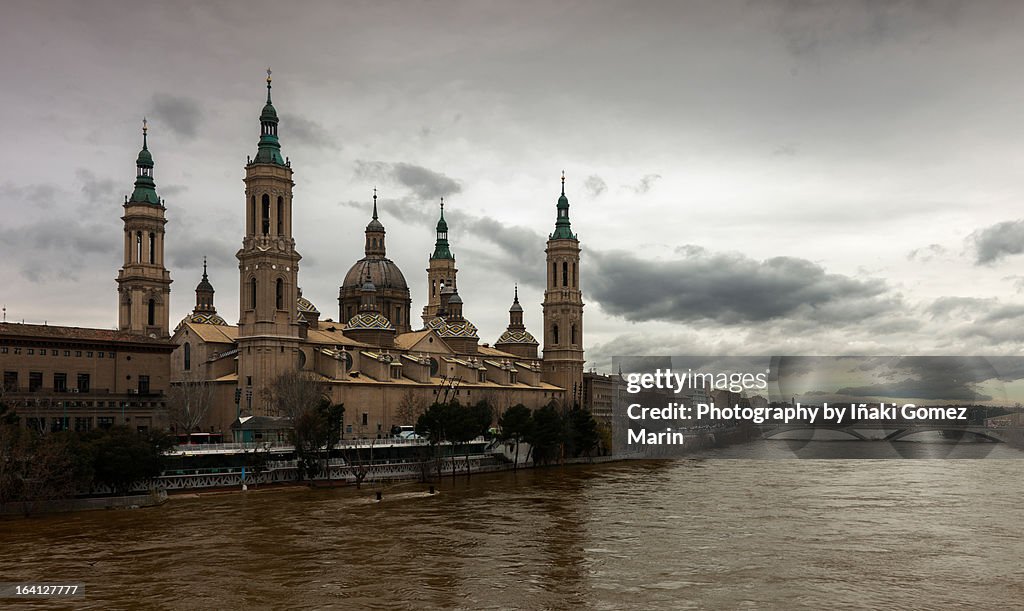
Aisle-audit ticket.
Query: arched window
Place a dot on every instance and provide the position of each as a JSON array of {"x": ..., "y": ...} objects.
[
  {"x": 151, "y": 312},
  {"x": 375, "y": 242},
  {"x": 252, "y": 216},
  {"x": 554, "y": 274},
  {"x": 138, "y": 247},
  {"x": 554, "y": 334},
  {"x": 188, "y": 356},
  {"x": 433, "y": 288},
  {"x": 279, "y": 294},
  {"x": 280, "y": 216},
  {"x": 252, "y": 293},
  {"x": 565, "y": 273},
  {"x": 573, "y": 335},
  {"x": 152, "y": 248},
  {"x": 266, "y": 214}
]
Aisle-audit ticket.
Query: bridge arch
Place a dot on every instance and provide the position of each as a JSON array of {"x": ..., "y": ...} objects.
[
  {"x": 785, "y": 428},
  {"x": 906, "y": 432}
]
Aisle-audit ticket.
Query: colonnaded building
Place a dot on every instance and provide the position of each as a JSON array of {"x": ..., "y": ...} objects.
[{"x": 378, "y": 360}]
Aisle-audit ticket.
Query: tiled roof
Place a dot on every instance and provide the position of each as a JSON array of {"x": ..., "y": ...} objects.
[{"x": 82, "y": 334}]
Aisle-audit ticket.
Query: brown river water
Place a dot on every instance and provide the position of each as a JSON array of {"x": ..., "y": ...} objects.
[{"x": 703, "y": 533}]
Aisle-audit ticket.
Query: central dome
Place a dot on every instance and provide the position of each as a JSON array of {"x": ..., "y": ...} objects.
[{"x": 383, "y": 273}]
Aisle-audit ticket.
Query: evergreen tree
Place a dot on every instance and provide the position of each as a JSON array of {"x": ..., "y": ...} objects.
[{"x": 516, "y": 425}]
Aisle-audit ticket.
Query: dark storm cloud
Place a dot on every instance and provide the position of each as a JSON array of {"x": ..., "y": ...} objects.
[
  {"x": 953, "y": 378},
  {"x": 180, "y": 115},
  {"x": 404, "y": 209},
  {"x": 595, "y": 185},
  {"x": 645, "y": 184},
  {"x": 731, "y": 288},
  {"x": 998, "y": 241},
  {"x": 424, "y": 183},
  {"x": 43, "y": 251},
  {"x": 517, "y": 246},
  {"x": 306, "y": 131}
]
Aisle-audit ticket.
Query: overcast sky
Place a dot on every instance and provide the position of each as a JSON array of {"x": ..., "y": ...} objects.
[{"x": 745, "y": 177}]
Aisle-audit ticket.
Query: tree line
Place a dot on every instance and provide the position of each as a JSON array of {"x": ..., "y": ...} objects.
[
  {"x": 37, "y": 466},
  {"x": 552, "y": 433}
]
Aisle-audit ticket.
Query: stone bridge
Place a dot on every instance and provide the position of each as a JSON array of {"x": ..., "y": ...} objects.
[{"x": 894, "y": 431}]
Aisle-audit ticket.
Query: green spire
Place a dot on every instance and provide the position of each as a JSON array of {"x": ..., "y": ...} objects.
[
  {"x": 270, "y": 147},
  {"x": 145, "y": 188},
  {"x": 563, "y": 231},
  {"x": 441, "y": 250}
]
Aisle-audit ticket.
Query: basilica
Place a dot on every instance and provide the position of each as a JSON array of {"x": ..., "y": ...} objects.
[{"x": 377, "y": 360}]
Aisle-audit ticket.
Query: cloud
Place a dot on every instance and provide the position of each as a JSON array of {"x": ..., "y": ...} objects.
[
  {"x": 100, "y": 193},
  {"x": 42, "y": 195},
  {"x": 595, "y": 185},
  {"x": 306, "y": 131},
  {"x": 517, "y": 248},
  {"x": 180, "y": 115},
  {"x": 424, "y": 183},
  {"x": 998, "y": 241},
  {"x": 645, "y": 184},
  {"x": 927, "y": 253},
  {"x": 731, "y": 288}
]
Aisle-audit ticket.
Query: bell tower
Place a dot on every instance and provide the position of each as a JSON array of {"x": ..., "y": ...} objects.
[
  {"x": 563, "y": 308},
  {"x": 143, "y": 283},
  {"x": 440, "y": 270},
  {"x": 268, "y": 265}
]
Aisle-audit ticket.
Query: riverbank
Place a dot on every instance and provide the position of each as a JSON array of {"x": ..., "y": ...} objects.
[{"x": 134, "y": 501}]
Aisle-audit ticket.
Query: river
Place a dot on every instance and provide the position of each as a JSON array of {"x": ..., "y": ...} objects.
[{"x": 703, "y": 533}]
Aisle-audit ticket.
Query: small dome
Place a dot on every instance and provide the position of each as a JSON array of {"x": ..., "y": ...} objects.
[
  {"x": 306, "y": 305},
  {"x": 455, "y": 298},
  {"x": 516, "y": 337},
  {"x": 145, "y": 158},
  {"x": 269, "y": 113},
  {"x": 459, "y": 328},
  {"x": 374, "y": 226},
  {"x": 383, "y": 273},
  {"x": 516, "y": 307},
  {"x": 370, "y": 320},
  {"x": 202, "y": 319}
]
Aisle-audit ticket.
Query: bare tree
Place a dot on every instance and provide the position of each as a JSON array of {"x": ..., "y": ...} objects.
[
  {"x": 188, "y": 402},
  {"x": 316, "y": 422},
  {"x": 295, "y": 392},
  {"x": 410, "y": 406}
]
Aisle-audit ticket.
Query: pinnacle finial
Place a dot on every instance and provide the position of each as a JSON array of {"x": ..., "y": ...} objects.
[
  {"x": 374, "y": 204},
  {"x": 204, "y": 269},
  {"x": 268, "y": 85},
  {"x": 442, "y": 207},
  {"x": 145, "y": 132},
  {"x": 516, "y": 300},
  {"x": 563, "y": 182}
]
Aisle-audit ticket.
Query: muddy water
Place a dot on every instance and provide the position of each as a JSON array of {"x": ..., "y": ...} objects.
[{"x": 696, "y": 533}]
